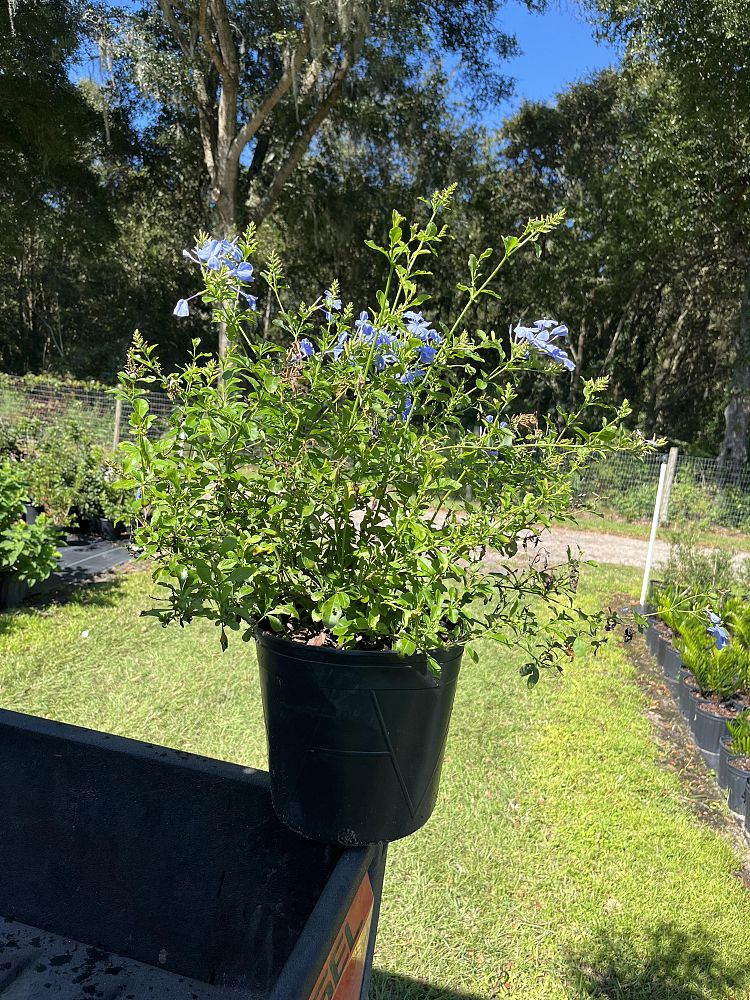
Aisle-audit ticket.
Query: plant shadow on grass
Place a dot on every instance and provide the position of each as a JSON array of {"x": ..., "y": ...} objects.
[
  {"x": 672, "y": 964},
  {"x": 390, "y": 986},
  {"x": 66, "y": 588}
]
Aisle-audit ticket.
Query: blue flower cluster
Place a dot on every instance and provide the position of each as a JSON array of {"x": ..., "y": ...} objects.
[
  {"x": 717, "y": 630},
  {"x": 389, "y": 348},
  {"x": 213, "y": 255},
  {"x": 542, "y": 336}
]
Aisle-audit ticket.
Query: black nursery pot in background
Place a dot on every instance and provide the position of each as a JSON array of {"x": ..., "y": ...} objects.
[
  {"x": 709, "y": 728},
  {"x": 12, "y": 591},
  {"x": 737, "y": 778},
  {"x": 355, "y": 739},
  {"x": 672, "y": 663},
  {"x": 686, "y": 688}
]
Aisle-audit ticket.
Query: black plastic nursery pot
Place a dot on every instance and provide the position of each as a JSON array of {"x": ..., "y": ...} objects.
[
  {"x": 652, "y": 638},
  {"x": 12, "y": 591},
  {"x": 696, "y": 699},
  {"x": 722, "y": 774},
  {"x": 672, "y": 663},
  {"x": 709, "y": 728},
  {"x": 684, "y": 692},
  {"x": 108, "y": 529},
  {"x": 355, "y": 738},
  {"x": 32, "y": 512},
  {"x": 737, "y": 778},
  {"x": 663, "y": 645}
]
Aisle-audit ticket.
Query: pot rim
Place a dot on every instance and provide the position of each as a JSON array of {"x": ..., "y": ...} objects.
[{"x": 354, "y": 657}]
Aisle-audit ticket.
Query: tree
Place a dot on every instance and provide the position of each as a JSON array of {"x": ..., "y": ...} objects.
[
  {"x": 52, "y": 134},
  {"x": 264, "y": 77},
  {"x": 704, "y": 49}
]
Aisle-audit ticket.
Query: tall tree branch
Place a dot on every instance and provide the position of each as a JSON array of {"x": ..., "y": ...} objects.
[
  {"x": 303, "y": 140},
  {"x": 283, "y": 85}
]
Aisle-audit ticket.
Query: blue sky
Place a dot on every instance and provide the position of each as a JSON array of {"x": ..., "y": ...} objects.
[{"x": 558, "y": 47}]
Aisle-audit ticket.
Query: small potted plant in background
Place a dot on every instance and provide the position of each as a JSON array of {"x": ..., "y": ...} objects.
[
  {"x": 734, "y": 763},
  {"x": 28, "y": 552},
  {"x": 674, "y": 608},
  {"x": 306, "y": 498},
  {"x": 716, "y": 671}
]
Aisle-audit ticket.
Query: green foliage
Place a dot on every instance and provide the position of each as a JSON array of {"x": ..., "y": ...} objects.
[
  {"x": 27, "y": 551},
  {"x": 718, "y": 672},
  {"x": 64, "y": 471},
  {"x": 700, "y": 570},
  {"x": 739, "y": 730},
  {"x": 97, "y": 495},
  {"x": 306, "y": 490},
  {"x": 58, "y": 472}
]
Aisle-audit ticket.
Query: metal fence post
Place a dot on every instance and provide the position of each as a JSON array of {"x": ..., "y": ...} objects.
[
  {"x": 118, "y": 420},
  {"x": 668, "y": 480}
]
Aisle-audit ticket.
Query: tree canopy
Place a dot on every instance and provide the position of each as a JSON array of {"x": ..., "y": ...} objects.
[{"x": 316, "y": 119}]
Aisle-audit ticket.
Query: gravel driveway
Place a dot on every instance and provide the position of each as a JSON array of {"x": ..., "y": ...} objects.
[{"x": 615, "y": 549}]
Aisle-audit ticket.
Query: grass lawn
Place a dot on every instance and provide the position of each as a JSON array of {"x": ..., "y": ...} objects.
[{"x": 563, "y": 860}]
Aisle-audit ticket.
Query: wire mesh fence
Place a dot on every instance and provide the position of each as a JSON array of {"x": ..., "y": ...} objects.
[
  {"x": 622, "y": 487},
  {"x": 93, "y": 407},
  {"x": 700, "y": 490}
]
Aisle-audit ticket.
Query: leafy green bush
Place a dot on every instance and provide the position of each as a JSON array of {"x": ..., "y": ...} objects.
[
  {"x": 64, "y": 471},
  {"x": 713, "y": 573},
  {"x": 98, "y": 495},
  {"x": 28, "y": 551},
  {"x": 634, "y": 504},
  {"x": 304, "y": 490},
  {"x": 719, "y": 672}
]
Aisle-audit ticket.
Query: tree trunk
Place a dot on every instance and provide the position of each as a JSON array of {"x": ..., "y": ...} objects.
[
  {"x": 737, "y": 411},
  {"x": 224, "y": 194}
]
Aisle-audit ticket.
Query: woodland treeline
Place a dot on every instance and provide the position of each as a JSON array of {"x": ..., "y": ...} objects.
[{"x": 126, "y": 130}]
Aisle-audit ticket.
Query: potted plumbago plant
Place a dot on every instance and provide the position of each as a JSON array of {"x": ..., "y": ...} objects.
[
  {"x": 313, "y": 499},
  {"x": 28, "y": 552}
]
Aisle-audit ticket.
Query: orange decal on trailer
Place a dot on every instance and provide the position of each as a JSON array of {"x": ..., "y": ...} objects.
[{"x": 342, "y": 974}]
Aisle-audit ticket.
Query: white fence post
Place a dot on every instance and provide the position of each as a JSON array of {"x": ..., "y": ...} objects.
[
  {"x": 671, "y": 470},
  {"x": 654, "y": 526}
]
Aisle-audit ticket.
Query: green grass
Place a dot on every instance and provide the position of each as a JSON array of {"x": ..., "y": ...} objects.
[{"x": 562, "y": 862}]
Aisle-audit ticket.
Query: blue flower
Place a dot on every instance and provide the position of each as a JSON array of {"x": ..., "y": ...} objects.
[
  {"x": 213, "y": 255},
  {"x": 716, "y": 630},
  {"x": 242, "y": 271},
  {"x": 542, "y": 335},
  {"x": 367, "y": 331},
  {"x": 305, "y": 350},
  {"x": 330, "y": 305},
  {"x": 427, "y": 354},
  {"x": 408, "y": 404},
  {"x": 418, "y": 326},
  {"x": 389, "y": 356},
  {"x": 205, "y": 251},
  {"x": 338, "y": 348},
  {"x": 409, "y": 378}
]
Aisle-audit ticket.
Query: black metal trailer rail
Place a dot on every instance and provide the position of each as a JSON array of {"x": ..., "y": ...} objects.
[{"x": 132, "y": 871}]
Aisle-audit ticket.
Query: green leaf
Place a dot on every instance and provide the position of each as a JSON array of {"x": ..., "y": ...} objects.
[{"x": 405, "y": 646}]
